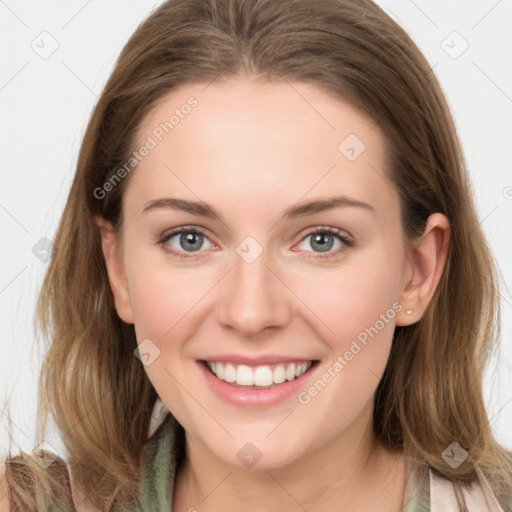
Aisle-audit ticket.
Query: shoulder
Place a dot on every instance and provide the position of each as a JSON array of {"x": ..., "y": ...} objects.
[
  {"x": 81, "y": 503},
  {"x": 476, "y": 495},
  {"x": 4, "y": 490},
  {"x": 28, "y": 481}
]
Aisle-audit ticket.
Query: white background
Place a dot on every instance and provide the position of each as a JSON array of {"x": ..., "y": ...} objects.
[{"x": 45, "y": 104}]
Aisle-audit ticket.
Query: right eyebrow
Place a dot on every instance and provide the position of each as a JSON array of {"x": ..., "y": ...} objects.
[{"x": 198, "y": 208}]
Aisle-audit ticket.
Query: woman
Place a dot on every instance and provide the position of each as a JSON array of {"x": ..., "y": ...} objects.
[{"x": 269, "y": 235}]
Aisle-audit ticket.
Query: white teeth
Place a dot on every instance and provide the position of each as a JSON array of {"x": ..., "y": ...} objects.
[
  {"x": 279, "y": 375},
  {"x": 229, "y": 372},
  {"x": 261, "y": 376},
  {"x": 244, "y": 375},
  {"x": 290, "y": 372}
]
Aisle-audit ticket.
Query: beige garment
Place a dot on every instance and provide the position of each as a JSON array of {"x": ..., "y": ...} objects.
[{"x": 479, "y": 497}]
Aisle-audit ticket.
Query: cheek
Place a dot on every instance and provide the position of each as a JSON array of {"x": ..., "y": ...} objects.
[
  {"x": 354, "y": 298},
  {"x": 358, "y": 303},
  {"x": 161, "y": 294},
  {"x": 166, "y": 302}
]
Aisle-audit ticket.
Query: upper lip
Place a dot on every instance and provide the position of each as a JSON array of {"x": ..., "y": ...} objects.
[{"x": 255, "y": 361}]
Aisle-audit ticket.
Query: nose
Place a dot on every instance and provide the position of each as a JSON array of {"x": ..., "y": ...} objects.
[{"x": 254, "y": 300}]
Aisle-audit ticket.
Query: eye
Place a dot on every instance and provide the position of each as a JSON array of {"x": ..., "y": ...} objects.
[
  {"x": 323, "y": 239},
  {"x": 187, "y": 240}
]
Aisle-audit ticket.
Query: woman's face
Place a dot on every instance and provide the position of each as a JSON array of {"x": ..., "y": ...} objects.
[{"x": 248, "y": 171}]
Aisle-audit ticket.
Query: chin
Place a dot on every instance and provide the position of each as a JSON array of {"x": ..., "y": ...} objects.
[{"x": 244, "y": 453}]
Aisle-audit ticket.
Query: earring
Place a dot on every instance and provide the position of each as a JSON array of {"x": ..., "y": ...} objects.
[{"x": 408, "y": 311}]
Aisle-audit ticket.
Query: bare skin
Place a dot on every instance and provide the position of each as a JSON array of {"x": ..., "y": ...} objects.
[
  {"x": 252, "y": 150},
  {"x": 4, "y": 492},
  {"x": 376, "y": 483}
]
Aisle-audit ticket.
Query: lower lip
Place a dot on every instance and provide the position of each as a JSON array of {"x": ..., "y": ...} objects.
[{"x": 253, "y": 397}]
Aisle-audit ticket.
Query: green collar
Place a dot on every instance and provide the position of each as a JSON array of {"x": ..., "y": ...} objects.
[{"x": 161, "y": 455}]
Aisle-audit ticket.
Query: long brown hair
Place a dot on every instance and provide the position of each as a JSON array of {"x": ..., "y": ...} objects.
[{"x": 431, "y": 392}]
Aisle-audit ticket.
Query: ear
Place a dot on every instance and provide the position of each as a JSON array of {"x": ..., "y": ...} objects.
[
  {"x": 115, "y": 269},
  {"x": 426, "y": 260}
]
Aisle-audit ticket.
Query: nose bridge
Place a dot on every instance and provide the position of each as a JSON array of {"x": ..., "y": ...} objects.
[{"x": 254, "y": 299}]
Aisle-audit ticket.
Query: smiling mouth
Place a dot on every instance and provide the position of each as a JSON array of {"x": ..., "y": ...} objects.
[{"x": 258, "y": 377}]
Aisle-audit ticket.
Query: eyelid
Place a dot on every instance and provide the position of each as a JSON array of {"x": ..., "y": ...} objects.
[
  {"x": 183, "y": 229},
  {"x": 329, "y": 229}
]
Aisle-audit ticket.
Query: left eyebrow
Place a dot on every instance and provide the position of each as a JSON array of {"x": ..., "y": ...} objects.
[
  {"x": 203, "y": 209},
  {"x": 320, "y": 205}
]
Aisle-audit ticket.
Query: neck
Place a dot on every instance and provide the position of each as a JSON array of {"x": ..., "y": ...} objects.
[{"x": 353, "y": 471}]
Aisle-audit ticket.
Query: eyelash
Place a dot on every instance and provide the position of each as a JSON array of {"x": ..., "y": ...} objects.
[{"x": 190, "y": 229}]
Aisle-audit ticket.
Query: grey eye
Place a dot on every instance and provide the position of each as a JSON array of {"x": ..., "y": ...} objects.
[
  {"x": 189, "y": 241},
  {"x": 320, "y": 242}
]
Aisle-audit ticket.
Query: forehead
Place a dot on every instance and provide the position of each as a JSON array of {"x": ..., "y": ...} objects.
[{"x": 238, "y": 141}]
